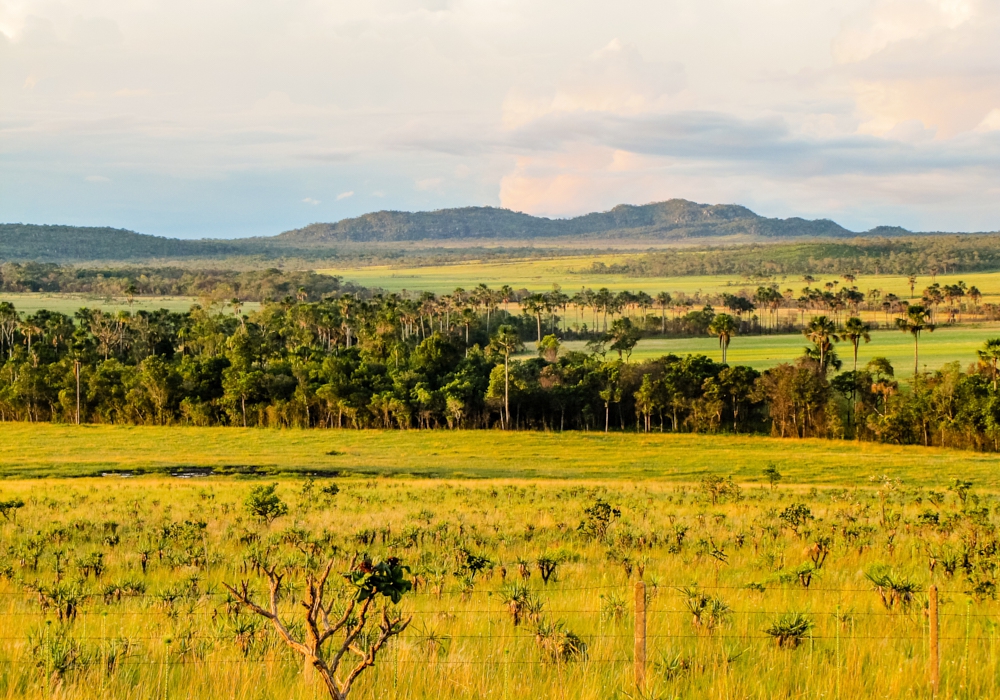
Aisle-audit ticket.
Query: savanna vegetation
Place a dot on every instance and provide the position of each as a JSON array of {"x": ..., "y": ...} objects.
[
  {"x": 918, "y": 255},
  {"x": 130, "y": 284},
  {"x": 433, "y": 362},
  {"x": 501, "y": 588}
]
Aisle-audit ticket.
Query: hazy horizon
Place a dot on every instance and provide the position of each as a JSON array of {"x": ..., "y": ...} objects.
[{"x": 219, "y": 120}]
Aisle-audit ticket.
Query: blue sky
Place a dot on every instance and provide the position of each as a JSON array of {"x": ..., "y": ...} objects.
[{"x": 224, "y": 118}]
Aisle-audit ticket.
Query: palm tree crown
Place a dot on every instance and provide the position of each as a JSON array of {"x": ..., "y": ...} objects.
[
  {"x": 822, "y": 332},
  {"x": 856, "y": 330}
]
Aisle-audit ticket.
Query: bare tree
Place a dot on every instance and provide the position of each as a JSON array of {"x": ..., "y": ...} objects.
[{"x": 356, "y": 632}]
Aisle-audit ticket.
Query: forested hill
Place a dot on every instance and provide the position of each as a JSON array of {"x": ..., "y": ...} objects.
[
  {"x": 65, "y": 243},
  {"x": 674, "y": 219}
]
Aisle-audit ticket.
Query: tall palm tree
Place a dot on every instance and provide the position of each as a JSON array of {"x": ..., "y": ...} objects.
[
  {"x": 506, "y": 342},
  {"x": 916, "y": 321},
  {"x": 856, "y": 330},
  {"x": 822, "y": 332},
  {"x": 663, "y": 300},
  {"x": 724, "y": 326},
  {"x": 990, "y": 354}
]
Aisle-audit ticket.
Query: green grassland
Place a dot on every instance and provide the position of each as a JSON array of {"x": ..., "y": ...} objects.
[
  {"x": 39, "y": 450},
  {"x": 944, "y": 345},
  {"x": 70, "y": 303},
  {"x": 570, "y": 272},
  {"x": 720, "y": 570}
]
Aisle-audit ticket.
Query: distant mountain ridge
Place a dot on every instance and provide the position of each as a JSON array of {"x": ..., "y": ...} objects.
[{"x": 675, "y": 219}]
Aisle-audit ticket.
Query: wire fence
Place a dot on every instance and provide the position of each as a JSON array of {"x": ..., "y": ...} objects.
[{"x": 474, "y": 629}]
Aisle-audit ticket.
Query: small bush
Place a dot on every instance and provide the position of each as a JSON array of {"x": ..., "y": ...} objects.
[
  {"x": 264, "y": 503},
  {"x": 789, "y": 630},
  {"x": 557, "y": 643}
]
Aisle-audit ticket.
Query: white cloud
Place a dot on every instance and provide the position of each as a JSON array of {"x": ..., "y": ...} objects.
[
  {"x": 97, "y": 178},
  {"x": 310, "y": 200},
  {"x": 991, "y": 122},
  {"x": 345, "y": 195},
  {"x": 615, "y": 78},
  {"x": 887, "y": 22},
  {"x": 428, "y": 184}
]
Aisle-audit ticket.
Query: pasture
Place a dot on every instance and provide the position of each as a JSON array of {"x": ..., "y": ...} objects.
[
  {"x": 538, "y": 275},
  {"x": 946, "y": 344},
  {"x": 30, "y": 303},
  {"x": 813, "y": 586},
  {"x": 52, "y": 450}
]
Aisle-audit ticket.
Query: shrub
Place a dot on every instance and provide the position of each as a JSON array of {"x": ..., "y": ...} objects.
[
  {"x": 796, "y": 515},
  {"x": 9, "y": 508},
  {"x": 55, "y": 652},
  {"x": 894, "y": 589},
  {"x": 557, "y": 643},
  {"x": 597, "y": 519},
  {"x": 789, "y": 630},
  {"x": 264, "y": 504},
  {"x": 520, "y": 602},
  {"x": 772, "y": 474},
  {"x": 707, "y": 612}
]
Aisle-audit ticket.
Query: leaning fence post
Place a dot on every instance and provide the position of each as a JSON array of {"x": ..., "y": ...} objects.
[
  {"x": 640, "y": 636},
  {"x": 932, "y": 614}
]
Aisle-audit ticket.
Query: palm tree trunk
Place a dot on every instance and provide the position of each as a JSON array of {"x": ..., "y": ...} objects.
[{"x": 506, "y": 392}]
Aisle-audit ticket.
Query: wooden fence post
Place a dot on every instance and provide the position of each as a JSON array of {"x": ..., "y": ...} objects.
[
  {"x": 640, "y": 636},
  {"x": 932, "y": 610}
]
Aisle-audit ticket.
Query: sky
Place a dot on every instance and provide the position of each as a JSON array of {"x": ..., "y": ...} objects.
[{"x": 218, "y": 118}]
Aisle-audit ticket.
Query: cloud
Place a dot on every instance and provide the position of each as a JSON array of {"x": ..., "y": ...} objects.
[
  {"x": 615, "y": 78},
  {"x": 887, "y": 22},
  {"x": 428, "y": 184},
  {"x": 991, "y": 122},
  {"x": 345, "y": 195},
  {"x": 97, "y": 178},
  {"x": 860, "y": 109},
  {"x": 927, "y": 61},
  {"x": 310, "y": 200}
]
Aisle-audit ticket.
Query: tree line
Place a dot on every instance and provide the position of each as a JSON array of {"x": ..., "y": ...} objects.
[
  {"x": 922, "y": 255},
  {"x": 131, "y": 282},
  {"x": 392, "y": 363}
]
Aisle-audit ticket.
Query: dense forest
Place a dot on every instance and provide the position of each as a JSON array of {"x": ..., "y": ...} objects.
[
  {"x": 390, "y": 362},
  {"x": 922, "y": 255}
]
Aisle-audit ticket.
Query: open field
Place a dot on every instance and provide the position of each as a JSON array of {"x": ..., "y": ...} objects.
[
  {"x": 946, "y": 344},
  {"x": 112, "y": 588},
  {"x": 70, "y": 303},
  {"x": 539, "y": 275},
  {"x": 37, "y": 450}
]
